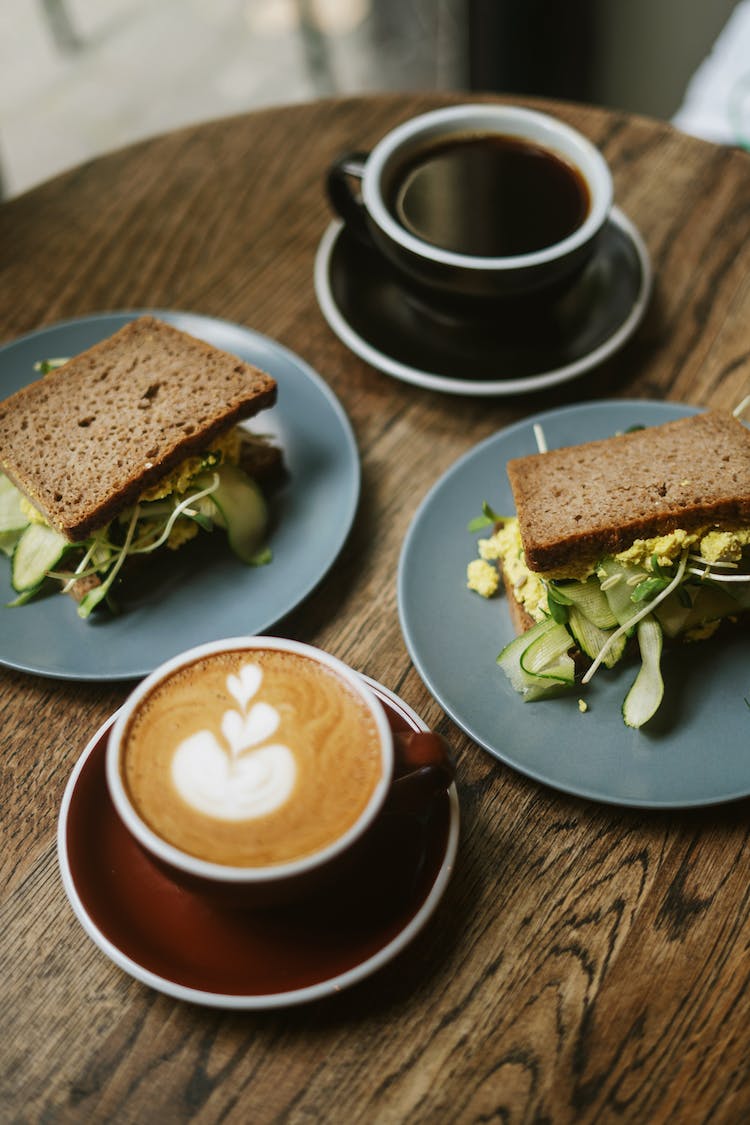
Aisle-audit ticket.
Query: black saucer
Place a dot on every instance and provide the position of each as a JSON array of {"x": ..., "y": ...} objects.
[{"x": 504, "y": 348}]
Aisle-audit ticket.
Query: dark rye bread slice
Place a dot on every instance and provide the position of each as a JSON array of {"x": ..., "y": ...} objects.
[
  {"x": 581, "y": 502},
  {"x": 84, "y": 441}
]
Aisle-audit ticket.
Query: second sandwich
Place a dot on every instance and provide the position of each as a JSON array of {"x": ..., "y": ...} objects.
[
  {"x": 620, "y": 543},
  {"x": 131, "y": 446}
]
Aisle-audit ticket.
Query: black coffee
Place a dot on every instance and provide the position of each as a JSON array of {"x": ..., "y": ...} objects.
[{"x": 489, "y": 196}]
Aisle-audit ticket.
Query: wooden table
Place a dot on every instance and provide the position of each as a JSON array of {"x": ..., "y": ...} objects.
[{"x": 587, "y": 963}]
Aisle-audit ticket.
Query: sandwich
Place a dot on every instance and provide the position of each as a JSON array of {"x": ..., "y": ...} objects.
[
  {"x": 132, "y": 446},
  {"x": 617, "y": 545}
]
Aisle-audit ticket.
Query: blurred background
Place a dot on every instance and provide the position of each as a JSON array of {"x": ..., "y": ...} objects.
[{"x": 82, "y": 77}]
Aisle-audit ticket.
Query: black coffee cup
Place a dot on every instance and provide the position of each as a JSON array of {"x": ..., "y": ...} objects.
[{"x": 478, "y": 201}]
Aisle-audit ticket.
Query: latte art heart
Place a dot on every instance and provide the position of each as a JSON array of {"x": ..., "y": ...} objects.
[
  {"x": 244, "y": 731},
  {"x": 252, "y": 785},
  {"x": 246, "y": 684},
  {"x": 247, "y": 784}
]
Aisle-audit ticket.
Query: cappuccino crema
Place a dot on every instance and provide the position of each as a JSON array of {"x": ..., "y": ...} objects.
[{"x": 251, "y": 758}]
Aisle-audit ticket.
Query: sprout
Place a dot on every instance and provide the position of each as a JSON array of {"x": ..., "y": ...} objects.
[
  {"x": 119, "y": 554},
  {"x": 706, "y": 570},
  {"x": 96, "y": 595},
  {"x": 638, "y": 616},
  {"x": 708, "y": 573},
  {"x": 183, "y": 508},
  {"x": 488, "y": 518}
]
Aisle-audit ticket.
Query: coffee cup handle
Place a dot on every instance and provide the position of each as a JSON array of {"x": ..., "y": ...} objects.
[
  {"x": 423, "y": 768},
  {"x": 344, "y": 200}
]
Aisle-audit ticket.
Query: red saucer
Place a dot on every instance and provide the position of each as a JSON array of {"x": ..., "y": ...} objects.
[{"x": 194, "y": 948}]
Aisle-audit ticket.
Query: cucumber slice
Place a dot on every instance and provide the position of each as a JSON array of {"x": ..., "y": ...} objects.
[
  {"x": 510, "y": 657},
  {"x": 672, "y": 615},
  {"x": 589, "y": 598},
  {"x": 243, "y": 512},
  {"x": 647, "y": 692},
  {"x": 38, "y": 550},
  {"x": 546, "y": 655},
  {"x": 710, "y": 603},
  {"x": 618, "y": 594},
  {"x": 536, "y": 663},
  {"x": 591, "y": 640},
  {"x": 8, "y": 540},
  {"x": 11, "y": 516}
]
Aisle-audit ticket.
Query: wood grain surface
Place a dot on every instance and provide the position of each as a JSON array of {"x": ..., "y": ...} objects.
[{"x": 587, "y": 963}]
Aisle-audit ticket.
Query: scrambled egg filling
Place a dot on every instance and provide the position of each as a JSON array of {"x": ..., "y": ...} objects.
[
  {"x": 724, "y": 546},
  {"x": 482, "y": 577},
  {"x": 504, "y": 547},
  {"x": 666, "y": 548},
  {"x": 182, "y": 531},
  {"x": 713, "y": 545},
  {"x": 226, "y": 449}
]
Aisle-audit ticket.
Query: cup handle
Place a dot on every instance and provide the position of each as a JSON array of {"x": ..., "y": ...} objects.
[
  {"x": 343, "y": 199},
  {"x": 423, "y": 768}
]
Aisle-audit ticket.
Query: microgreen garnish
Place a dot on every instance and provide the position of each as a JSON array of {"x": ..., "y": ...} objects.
[
  {"x": 709, "y": 575},
  {"x": 104, "y": 558},
  {"x": 657, "y": 568},
  {"x": 648, "y": 588},
  {"x": 557, "y": 611},
  {"x": 100, "y": 592},
  {"x": 628, "y": 626},
  {"x": 44, "y": 366},
  {"x": 488, "y": 518}
]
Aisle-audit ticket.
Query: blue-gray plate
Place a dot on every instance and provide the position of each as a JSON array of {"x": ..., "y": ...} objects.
[
  {"x": 696, "y": 749},
  {"x": 214, "y": 595}
]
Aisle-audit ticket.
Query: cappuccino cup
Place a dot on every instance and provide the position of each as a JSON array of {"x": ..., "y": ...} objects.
[
  {"x": 254, "y": 767},
  {"x": 478, "y": 201}
]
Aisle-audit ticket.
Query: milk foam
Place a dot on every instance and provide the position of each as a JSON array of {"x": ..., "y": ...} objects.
[
  {"x": 251, "y": 758},
  {"x": 248, "y": 780}
]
